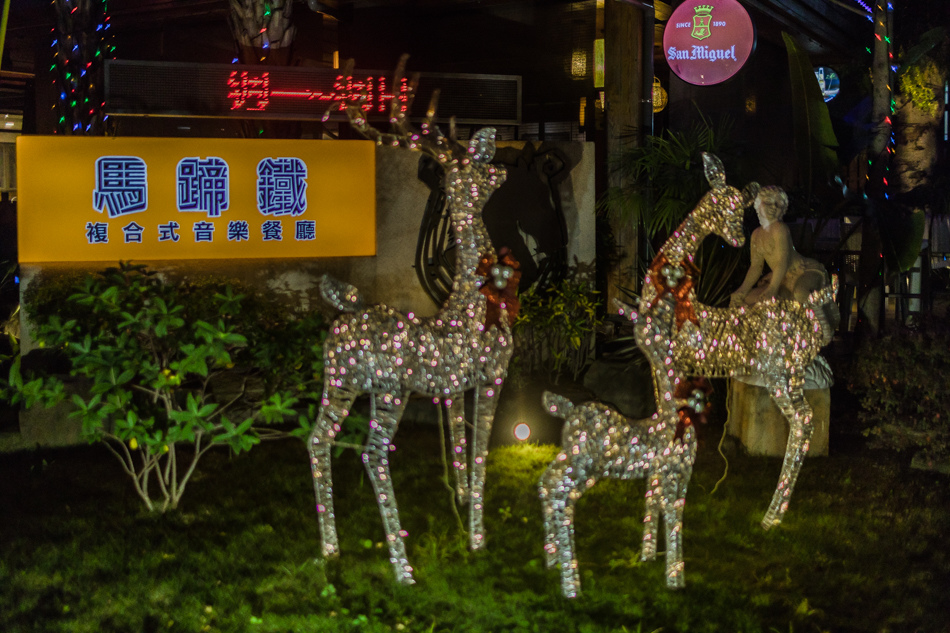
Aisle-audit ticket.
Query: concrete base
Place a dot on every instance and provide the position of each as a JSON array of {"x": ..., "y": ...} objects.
[
  {"x": 11, "y": 442},
  {"x": 759, "y": 424}
]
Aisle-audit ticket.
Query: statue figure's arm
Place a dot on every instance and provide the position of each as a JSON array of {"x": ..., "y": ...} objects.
[
  {"x": 778, "y": 256},
  {"x": 755, "y": 269}
]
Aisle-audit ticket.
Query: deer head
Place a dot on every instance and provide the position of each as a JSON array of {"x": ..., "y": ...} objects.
[
  {"x": 428, "y": 138},
  {"x": 721, "y": 210},
  {"x": 470, "y": 178}
]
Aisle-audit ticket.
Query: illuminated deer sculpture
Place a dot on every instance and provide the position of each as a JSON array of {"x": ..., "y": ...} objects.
[
  {"x": 378, "y": 351},
  {"x": 597, "y": 443},
  {"x": 681, "y": 337},
  {"x": 776, "y": 339}
]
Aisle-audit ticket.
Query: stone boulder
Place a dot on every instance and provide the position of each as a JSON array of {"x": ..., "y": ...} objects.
[{"x": 625, "y": 385}]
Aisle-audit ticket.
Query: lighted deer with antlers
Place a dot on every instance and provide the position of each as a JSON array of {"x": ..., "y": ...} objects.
[
  {"x": 775, "y": 339},
  {"x": 376, "y": 350}
]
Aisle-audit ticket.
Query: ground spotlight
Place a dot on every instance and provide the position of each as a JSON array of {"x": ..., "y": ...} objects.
[{"x": 522, "y": 431}]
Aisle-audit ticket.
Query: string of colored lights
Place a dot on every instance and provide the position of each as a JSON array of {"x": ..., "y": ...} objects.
[
  {"x": 881, "y": 34},
  {"x": 867, "y": 8},
  {"x": 81, "y": 42}
]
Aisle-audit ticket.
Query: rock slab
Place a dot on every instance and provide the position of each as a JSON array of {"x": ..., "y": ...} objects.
[{"x": 758, "y": 423}]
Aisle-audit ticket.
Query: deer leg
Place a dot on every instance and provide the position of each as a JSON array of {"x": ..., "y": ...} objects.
[
  {"x": 548, "y": 487},
  {"x": 651, "y": 513},
  {"x": 335, "y": 408},
  {"x": 386, "y": 411},
  {"x": 486, "y": 401},
  {"x": 791, "y": 401},
  {"x": 563, "y": 496},
  {"x": 459, "y": 444},
  {"x": 653, "y": 506},
  {"x": 570, "y": 575},
  {"x": 674, "y": 500}
]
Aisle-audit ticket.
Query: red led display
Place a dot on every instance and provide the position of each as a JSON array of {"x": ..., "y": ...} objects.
[
  {"x": 136, "y": 88},
  {"x": 252, "y": 92}
]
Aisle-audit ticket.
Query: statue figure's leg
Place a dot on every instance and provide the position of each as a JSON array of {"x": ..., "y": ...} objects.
[
  {"x": 791, "y": 401},
  {"x": 336, "y": 406},
  {"x": 386, "y": 411}
]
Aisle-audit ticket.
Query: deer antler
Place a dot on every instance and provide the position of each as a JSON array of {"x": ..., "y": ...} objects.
[{"x": 429, "y": 139}]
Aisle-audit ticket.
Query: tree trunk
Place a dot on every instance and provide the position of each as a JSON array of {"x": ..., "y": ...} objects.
[
  {"x": 622, "y": 67},
  {"x": 917, "y": 131},
  {"x": 870, "y": 286}
]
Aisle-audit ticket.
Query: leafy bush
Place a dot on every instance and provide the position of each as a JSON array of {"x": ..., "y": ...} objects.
[
  {"x": 917, "y": 84},
  {"x": 9, "y": 304},
  {"x": 556, "y": 328},
  {"x": 174, "y": 369},
  {"x": 902, "y": 382},
  {"x": 664, "y": 178}
]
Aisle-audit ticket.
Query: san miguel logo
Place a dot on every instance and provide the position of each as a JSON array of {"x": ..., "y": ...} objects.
[
  {"x": 701, "y": 22},
  {"x": 707, "y": 42}
]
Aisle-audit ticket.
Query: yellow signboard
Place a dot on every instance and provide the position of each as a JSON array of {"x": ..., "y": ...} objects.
[{"x": 106, "y": 199}]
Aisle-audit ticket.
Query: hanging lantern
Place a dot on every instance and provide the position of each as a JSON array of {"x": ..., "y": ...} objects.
[{"x": 659, "y": 96}]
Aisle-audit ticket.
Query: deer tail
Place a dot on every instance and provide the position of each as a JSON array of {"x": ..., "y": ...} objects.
[
  {"x": 341, "y": 295},
  {"x": 822, "y": 302},
  {"x": 557, "y": 405}
]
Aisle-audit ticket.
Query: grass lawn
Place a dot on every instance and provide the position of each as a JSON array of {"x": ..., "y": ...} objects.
[{"x": 864, "y": 547}]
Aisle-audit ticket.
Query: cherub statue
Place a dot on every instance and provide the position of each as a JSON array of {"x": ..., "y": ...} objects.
[{"x": 793, "y": 276}]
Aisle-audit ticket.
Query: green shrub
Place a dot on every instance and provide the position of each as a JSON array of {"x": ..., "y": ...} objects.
[
  {"x": 555, "y": 330},
  {"x": 902, "y": 382},
  {"x": 174, "y": 369},
  {"x": 917, "y": 84}
]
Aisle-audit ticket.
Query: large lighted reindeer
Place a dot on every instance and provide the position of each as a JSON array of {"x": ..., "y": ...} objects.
[
  {"x": 776, "y": 339},
  {"x": 379, "y": 351}
]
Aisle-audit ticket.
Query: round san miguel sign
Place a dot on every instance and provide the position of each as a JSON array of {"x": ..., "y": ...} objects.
[{"x": 707, "y": 41}]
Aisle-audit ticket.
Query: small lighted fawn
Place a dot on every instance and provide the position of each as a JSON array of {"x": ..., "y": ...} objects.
[
  {"x": 598, "y": 442},
  {"x": 388, "y": 355},
  {"x": 776, "y": 339}
]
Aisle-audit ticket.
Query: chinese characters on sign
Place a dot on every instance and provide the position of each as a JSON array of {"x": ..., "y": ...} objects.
[
  {"x": 245, "y": 88},
  {"x": 281, "y": 186},
  {"x": 203, "y": 185},
  {"x": 121, "y": 187},
  {"x": 707, "y": 42},
  {"x": 154, "y": 199}
]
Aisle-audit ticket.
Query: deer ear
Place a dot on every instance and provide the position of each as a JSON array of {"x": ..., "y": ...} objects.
[
  {"x": 749, "y": 193},
  {"x": 715, "y": 172},
  {"x": 482, "y": 146},
  {"x": 627, "y": 310}
]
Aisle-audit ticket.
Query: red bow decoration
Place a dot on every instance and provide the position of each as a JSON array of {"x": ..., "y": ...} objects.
[
  {"x": 683, "y": 307},
  {"x": 687, "y": 415},
  {"x": 504, "y": 299}
]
